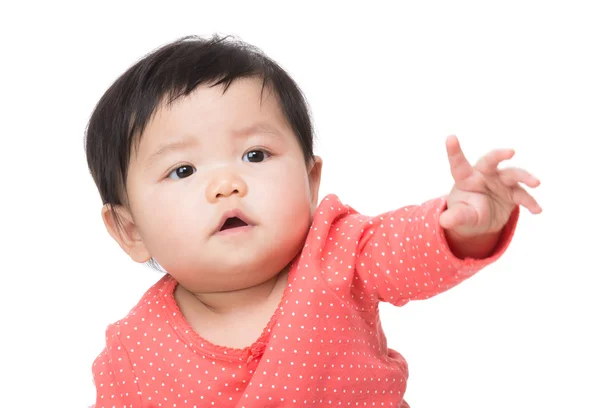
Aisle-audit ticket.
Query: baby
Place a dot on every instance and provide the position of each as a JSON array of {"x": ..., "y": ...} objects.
[{"x": 203, "y": 156}]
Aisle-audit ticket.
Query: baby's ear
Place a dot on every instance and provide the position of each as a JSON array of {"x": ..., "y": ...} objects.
[
  {"x": 314, "y": 180},
  {"x": 120, "y": 225}
]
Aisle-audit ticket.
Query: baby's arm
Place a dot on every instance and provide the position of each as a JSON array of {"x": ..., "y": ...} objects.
[
  {"x": 419, "y": 251},
  {"x": 113, "y": 373},
  {"x": 404, "y": 255}
]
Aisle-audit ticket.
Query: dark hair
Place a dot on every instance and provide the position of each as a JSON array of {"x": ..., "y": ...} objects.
[{"x": 168, "y": 73}]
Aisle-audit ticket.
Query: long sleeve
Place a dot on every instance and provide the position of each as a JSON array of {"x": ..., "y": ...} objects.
[
  {"x": 113, "y": 374},
  {"x": 396, "y": 257},
  {"x": 403, "y": 255}
]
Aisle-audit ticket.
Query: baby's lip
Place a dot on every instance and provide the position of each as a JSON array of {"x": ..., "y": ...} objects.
[{"x": 235, "y": 213}]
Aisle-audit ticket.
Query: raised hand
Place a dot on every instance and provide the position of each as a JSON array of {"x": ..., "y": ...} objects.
[{"x": 484, "y": 196}]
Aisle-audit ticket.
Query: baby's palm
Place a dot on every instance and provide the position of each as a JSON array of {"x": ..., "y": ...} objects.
[{"x": 483, "y": 196}]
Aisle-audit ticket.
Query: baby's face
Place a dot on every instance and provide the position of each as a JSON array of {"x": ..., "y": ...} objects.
[{"x": 219, "y": 190}]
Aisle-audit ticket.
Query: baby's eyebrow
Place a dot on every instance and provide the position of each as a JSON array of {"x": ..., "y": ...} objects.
[
  {"x": 169, "y": 147},
  {"x": 262, "y": 128}
]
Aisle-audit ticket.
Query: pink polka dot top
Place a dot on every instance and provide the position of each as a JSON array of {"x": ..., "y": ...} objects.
[{"x": 324, "y": 345}]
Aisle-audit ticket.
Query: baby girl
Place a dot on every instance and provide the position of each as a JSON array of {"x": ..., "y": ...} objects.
[{"x": 203, "y": 156}]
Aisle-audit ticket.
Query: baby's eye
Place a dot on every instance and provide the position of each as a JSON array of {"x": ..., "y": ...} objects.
[
  {"x": 181, "y": 172},
  {"x": 256, "y": 156}
]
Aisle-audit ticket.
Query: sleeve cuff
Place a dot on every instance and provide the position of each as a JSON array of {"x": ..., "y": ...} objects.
[{"x": 472, "y": 265}]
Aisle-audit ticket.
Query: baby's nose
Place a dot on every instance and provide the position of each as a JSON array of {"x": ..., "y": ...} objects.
[{"x": 225, "y": 185}]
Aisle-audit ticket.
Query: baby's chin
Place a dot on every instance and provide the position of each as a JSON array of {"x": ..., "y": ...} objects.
[{"x": 229, "y": 276}]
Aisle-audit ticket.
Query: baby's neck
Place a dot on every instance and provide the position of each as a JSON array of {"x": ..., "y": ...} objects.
[
  {"x": 233, "y": 302},
  {"x": 232, "y": 319}
]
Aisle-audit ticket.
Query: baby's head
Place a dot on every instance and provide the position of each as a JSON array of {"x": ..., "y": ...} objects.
[{"x": 203, "y": 156}]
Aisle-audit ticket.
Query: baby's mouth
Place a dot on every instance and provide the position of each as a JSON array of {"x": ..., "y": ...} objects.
[{"x": 233, "y": 222}]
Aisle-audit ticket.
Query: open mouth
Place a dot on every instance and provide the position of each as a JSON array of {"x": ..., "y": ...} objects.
[{"x": 233, "y": 222}]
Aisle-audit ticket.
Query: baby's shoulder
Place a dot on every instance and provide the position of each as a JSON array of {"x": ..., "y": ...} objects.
[
  {"x": 332, "y": 209},
  {"x": 334, "y": 219},
  {"x": 147, "y": 315}
]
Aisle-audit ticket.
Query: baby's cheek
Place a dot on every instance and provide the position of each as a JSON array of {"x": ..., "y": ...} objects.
[
  {"x": 293, "y": 217},
  {"x": 170, "y": 228}
]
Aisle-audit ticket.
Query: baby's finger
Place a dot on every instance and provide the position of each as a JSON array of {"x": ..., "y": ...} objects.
[
  {"x": 460, "y": 168},
  {"x": 523, "y": 198},
  {"x": 488, "y": 164},
  {"x": 458, "y": 215},
  {"x": 513, "y": 176}
]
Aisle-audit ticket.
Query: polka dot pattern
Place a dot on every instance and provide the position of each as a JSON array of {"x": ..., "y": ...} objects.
[{"x": 324, "y": 345}]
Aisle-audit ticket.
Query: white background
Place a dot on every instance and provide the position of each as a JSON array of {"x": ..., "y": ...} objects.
[{"x": 386, "y": 85}]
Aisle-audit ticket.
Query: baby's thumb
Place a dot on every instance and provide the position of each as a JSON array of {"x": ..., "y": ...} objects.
[{"x": 458, "y": 215}]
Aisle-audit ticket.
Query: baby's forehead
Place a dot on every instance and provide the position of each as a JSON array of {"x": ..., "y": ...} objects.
[
  {"x": 212, "y": 115},
  {"x": 241, "y": 104}
]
